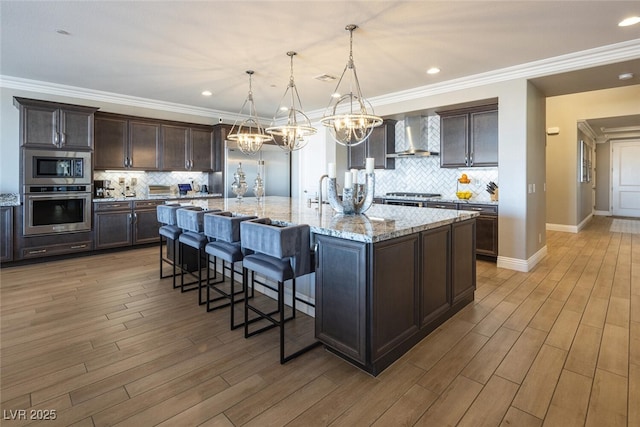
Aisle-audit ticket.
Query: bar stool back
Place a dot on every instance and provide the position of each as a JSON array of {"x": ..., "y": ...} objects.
[
  {"x": 282, "y": 253},
  {"x": 166, "y": 215},
  {"x": 224, "y": 228},
  {"x": 191, "y": 221}
]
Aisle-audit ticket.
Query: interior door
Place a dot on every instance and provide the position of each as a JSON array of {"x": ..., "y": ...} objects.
[{"x": 625, "y": 178}]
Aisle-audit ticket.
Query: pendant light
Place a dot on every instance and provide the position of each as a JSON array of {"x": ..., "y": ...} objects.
[
  {"x": 295, "y": 132},
  {"x": 350, "y": 117},
  {"x": 248, "y": 134}
]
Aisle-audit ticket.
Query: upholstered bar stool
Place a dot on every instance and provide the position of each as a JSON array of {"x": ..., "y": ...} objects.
[
  {"x": 169, "y": 233},
  {"x": 224, "y": 228},
  {"x": 281, "y": 253},
  {"x": 191, "y": 221}
]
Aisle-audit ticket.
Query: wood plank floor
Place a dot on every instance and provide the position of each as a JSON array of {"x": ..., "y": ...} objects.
[{"x": 102, "y": 341}]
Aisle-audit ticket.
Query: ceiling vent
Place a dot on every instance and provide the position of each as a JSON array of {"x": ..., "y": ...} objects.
[{"x": 325, "y": 78}]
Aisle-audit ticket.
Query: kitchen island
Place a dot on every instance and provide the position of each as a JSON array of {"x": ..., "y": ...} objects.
[{"x": 383, "y": 280}]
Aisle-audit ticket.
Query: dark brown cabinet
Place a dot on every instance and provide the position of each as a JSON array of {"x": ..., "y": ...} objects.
[
  {"x": 469, "y": 137},
  {"x": 125, "y": 143},
  {"x": 381, "y": 142},
  {"x": 187, "y": 148},
  {"x": 45, "y": 124},
  {"x": 6, "y": 233},
  {"x": 486, "y": 225},
  {"x": 374, "y": 301},
  {"x": 126, "y": 223}
]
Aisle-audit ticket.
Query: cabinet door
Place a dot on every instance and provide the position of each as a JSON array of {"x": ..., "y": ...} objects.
[
  {"x": 144, "y": 145},
  {"x": 6, "y": 233},
  {"x": 341, "y": 295},
  {"x": 111, "y": 140},
  {"x": 463, "y": 260},
  {"x": 381, "y": 142},
  {"x": 201, "y": 150},
  {"x": 219, "y": 136},
  {"x": 487, "y": 235},
  {"x": 112, "y": 229},
  {"x": 484, "y": 139},
  {"x": 395, "y": 293},
  {"x": 76, "y": 129},
  {"x": 454, "y": 131},
  {"x": 40, "y": 126},
  {"x": 175, "y": 143},
  {"x": 145, "y": 226},
  {"x": 435, "y": 278},
  {"x": 356, "y": 156}
]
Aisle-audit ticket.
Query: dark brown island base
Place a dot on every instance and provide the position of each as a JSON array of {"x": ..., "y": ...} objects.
[{"x": 383, "y": 280}]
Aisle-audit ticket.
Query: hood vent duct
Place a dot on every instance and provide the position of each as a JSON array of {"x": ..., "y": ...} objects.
[{"x": 415, "y": 138}]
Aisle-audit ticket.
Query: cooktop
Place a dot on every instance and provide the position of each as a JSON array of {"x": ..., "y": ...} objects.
[{"x": 404, "y": 194}]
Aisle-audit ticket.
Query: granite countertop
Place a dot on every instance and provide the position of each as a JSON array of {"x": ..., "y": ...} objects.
[
  {"x": 381, "y": 222},
  {"x": 9, "y": 199},
  {"x": 159, "y": 197}
]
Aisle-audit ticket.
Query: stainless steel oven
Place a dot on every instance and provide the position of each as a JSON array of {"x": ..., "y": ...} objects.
[
  {"x": 56, "y": 167},
  {"x": 56, "y": 209}
]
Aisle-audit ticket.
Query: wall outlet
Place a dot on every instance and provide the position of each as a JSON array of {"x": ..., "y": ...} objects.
[{"x": 121, "y": 180}]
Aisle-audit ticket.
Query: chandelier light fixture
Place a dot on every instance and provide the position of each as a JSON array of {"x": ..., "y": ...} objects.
[
  {"x": 248, "y": 133},
  {"x": 291, "y": 128},
  {"x": 350, "y": 117}
]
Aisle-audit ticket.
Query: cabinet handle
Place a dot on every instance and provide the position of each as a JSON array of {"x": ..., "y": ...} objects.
[
  {"x": 476, "y": 209},
  {"x": 78, "y": 246},
  {"x": 56, "y": 138},
  {"x": 41, "y": 251},
  {"x": 135, "y": 217},
  {"x": 130, "y": 160},
  {"x": 63, "y": 139},
  {"x": 471, "y": 159},
  {"x": 316, "y": 250},
  {"x": 439, "y": 206}
]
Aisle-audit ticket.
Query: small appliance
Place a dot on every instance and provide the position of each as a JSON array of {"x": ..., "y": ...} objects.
[{"x": 102, "y": 188}]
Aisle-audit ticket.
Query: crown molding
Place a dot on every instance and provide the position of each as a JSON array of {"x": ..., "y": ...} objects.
[{"x": 18, "y": 83}]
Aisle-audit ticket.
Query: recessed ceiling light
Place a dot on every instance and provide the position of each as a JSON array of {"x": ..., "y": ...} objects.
[
  {"x": 433, "y": 70},
  {"x": 625, "y": 76},
  {"x": 632, "y": 20},
  {"x": 63, "y": 32},
  {"x": 335, "y": 95},
  {"x": 207, "y": 93}
]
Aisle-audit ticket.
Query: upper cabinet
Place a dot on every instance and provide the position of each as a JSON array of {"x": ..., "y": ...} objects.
[
  {"x": 126, "y": 143},
  {"x": 45, "y": 124},
  {"x": 136, "y": 143},
  {"x": 469, "y": 137},
  {"x": 381, "y": 142},
  {"x": 187, "y": 148}
]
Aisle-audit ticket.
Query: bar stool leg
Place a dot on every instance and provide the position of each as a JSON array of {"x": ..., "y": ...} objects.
[
  {"x": 282, "y": 319},
  {"x": 175, "y": 260}
]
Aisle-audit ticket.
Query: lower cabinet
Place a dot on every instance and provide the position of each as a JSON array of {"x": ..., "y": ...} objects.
[
  {"x": 376, "y": 301},
  {"x": 125, "y": 223},
  {"x": 6, "y": 233}
]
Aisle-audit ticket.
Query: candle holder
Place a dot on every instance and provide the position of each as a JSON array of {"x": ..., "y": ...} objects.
[{"x": 355, "y": 200}]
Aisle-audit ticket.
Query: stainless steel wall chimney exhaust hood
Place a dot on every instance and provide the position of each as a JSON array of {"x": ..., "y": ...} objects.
[{"x": 417, "y": 141}]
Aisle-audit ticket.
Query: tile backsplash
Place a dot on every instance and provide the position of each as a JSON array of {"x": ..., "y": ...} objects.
[
  {"x": 144, "y": 179},
  {"x": 424, "y": 175}
]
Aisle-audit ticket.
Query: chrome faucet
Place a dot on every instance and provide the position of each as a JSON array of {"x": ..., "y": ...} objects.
[{"x": 320, "y": 192}]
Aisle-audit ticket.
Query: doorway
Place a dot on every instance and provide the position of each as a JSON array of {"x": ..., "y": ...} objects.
[{"x": 625, "y": 178}]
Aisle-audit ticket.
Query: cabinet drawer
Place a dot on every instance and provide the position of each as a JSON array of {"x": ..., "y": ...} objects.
[
  {"x": 483, "y": 209},
  {"x": 111, "y": 206},
  {"x": 147, "y": 204},
  {"x": 442, "y": 205},
  {"x": 60, "y": 249}
]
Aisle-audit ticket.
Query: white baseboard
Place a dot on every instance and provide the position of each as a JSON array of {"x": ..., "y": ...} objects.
[
  {"x": 520, "y": 264},
  {"x": 570, "y": 228},
  {"x": 602, "y": 213},
  {"x": 562, "y": 227}
]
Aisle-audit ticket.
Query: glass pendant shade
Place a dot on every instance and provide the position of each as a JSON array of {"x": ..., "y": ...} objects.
[
  {"x": 350, "y": 117},
  {"x": 248, "y": 133},
  {"x": 291, "y": 128}
]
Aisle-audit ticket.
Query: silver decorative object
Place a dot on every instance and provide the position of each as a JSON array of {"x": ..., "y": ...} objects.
[
  {"x": 258, "y": 188},
  {"x": 239, "y": 185},
  {"x": 355, "y": 200}
]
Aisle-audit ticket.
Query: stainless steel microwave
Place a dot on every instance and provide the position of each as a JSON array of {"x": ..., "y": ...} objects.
[{"x": 56, "y": 167}]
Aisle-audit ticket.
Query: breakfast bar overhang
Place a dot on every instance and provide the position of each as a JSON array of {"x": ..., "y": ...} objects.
[{"x": 384, "y": 280}]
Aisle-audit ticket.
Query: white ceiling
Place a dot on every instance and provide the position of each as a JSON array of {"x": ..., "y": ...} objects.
[{"x": 171, "y": 51}]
